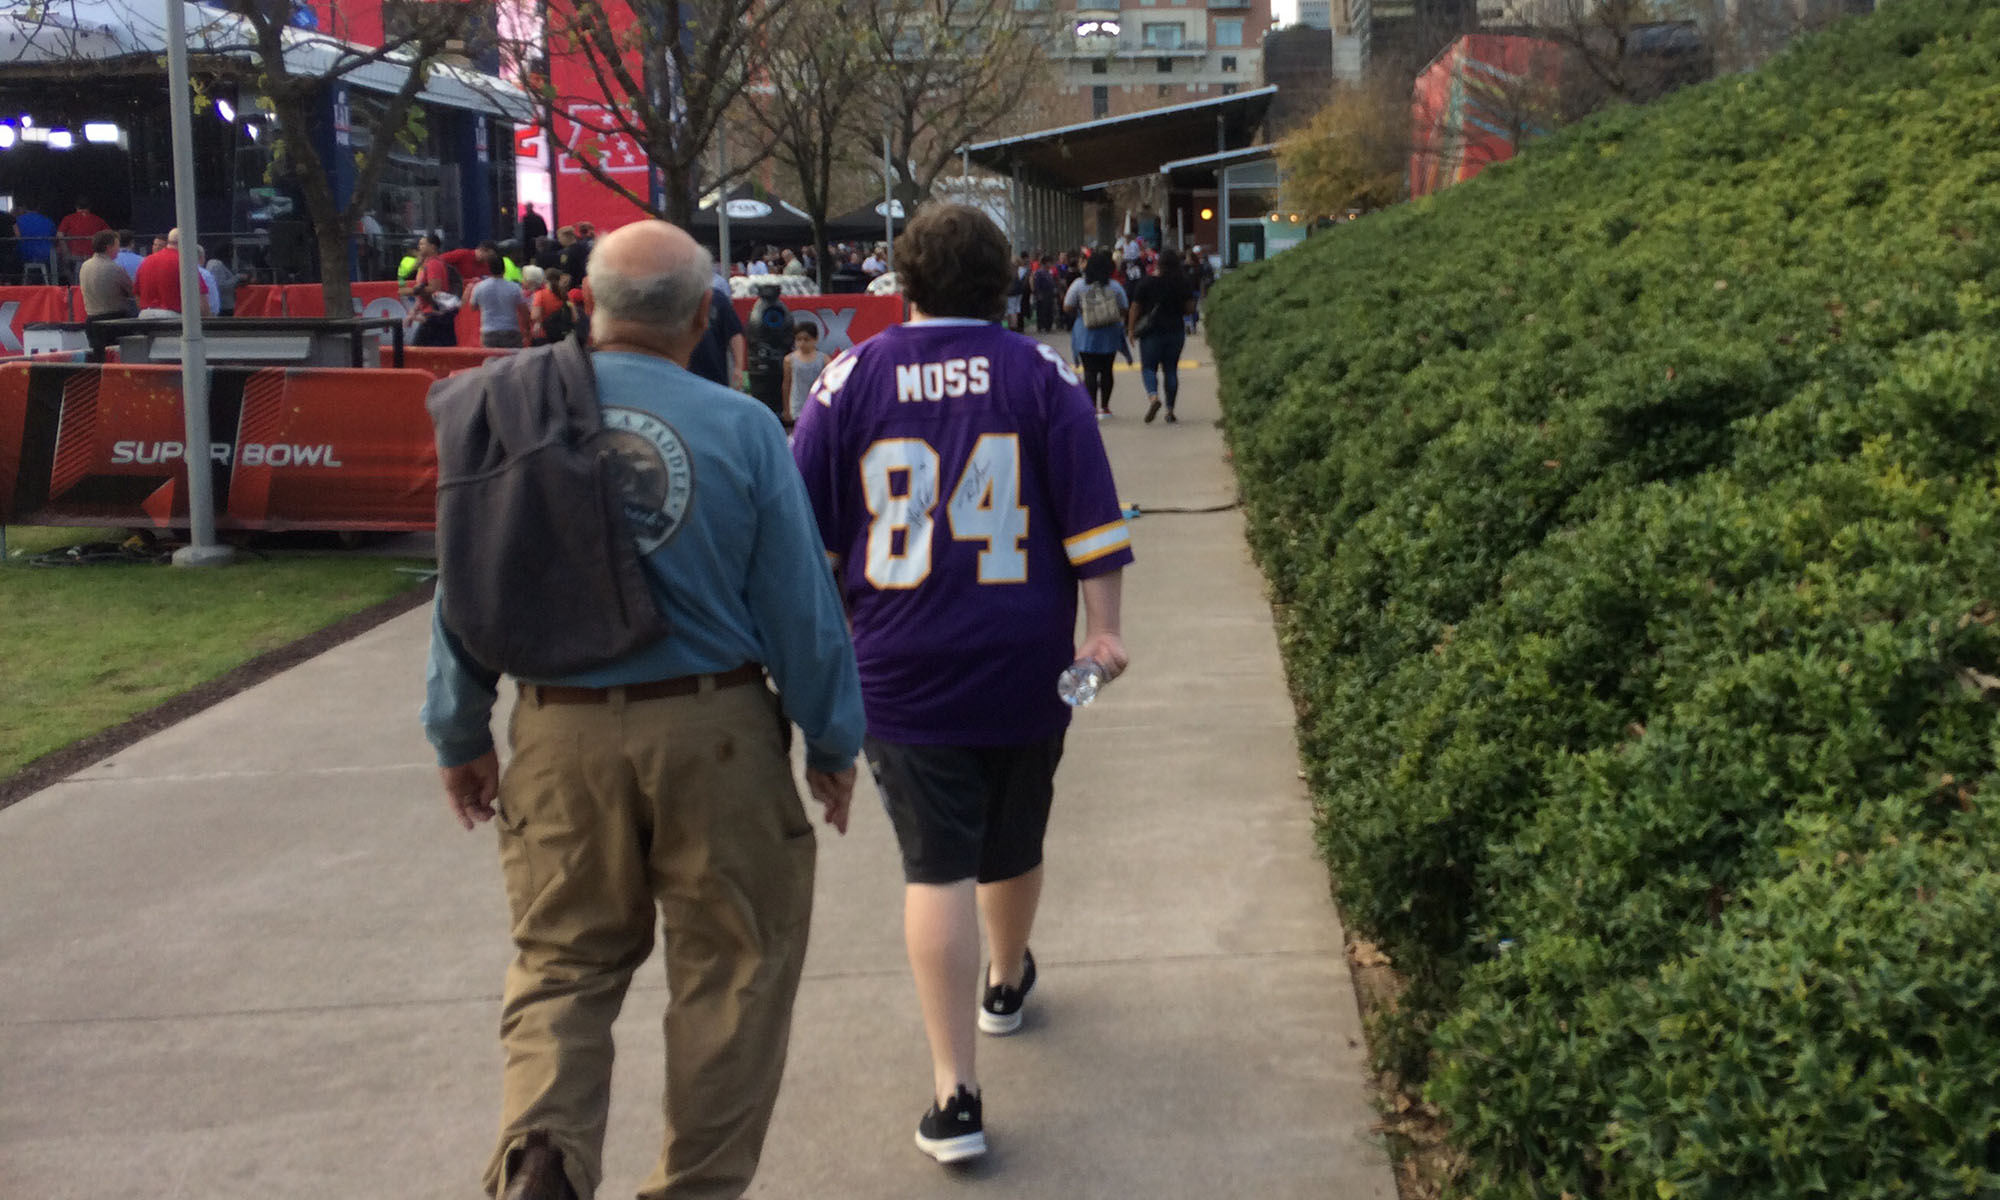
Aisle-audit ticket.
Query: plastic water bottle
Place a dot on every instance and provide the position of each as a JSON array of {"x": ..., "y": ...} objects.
[{"x": 1080, "y": 683}]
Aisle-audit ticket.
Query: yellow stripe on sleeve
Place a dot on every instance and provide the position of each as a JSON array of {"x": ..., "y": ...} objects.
[{"x": 1095, "y": 544}]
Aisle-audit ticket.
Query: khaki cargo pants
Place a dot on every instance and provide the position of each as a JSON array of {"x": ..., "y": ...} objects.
[{"x": 607, "y": 810}]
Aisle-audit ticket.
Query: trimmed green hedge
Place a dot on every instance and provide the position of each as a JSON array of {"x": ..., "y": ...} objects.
[{"x": 1634, "y": 515}]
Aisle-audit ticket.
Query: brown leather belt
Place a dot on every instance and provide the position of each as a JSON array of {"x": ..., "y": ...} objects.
[{"x": 657, "y": 689}]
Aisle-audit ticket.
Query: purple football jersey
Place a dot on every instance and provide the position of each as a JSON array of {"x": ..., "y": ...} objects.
[{"x": 962, "y": 490}]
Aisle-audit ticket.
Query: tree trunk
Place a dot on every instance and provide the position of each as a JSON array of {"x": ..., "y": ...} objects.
[
  {"x": 330, "y": 233},
  {"x": 678, "y": 204},
  {"x": 336, "y": 287},
  {"x": 820, "y": 254}
]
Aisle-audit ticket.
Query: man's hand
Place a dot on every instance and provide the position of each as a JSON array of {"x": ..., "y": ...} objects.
[
  {"x": 1107, "y": 650},
  {"x": 472, "y": 787},
  {"x": 834, "y": 790}
]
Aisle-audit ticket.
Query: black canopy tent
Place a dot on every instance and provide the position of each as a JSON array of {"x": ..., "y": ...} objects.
[
  {"x": 865, "y": 224},
  {"x": 756, "y": 216}
]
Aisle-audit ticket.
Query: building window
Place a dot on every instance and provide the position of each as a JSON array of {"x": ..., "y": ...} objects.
[
  {"x": 1229, "y": 89},
  {"x": 1163, "y": 35},
  {"x": 1229, "y": 33},
  {"x": 1166, "y": 89},
  {"x": 1166, "y": 66},
  {"x": 1100, "y": 67},
  {"x": 1027, "y": 5},
  {"x": 1100, "y": 103}
]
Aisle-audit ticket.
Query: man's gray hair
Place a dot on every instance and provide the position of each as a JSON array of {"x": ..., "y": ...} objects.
[{"x": 669, "y": 300}]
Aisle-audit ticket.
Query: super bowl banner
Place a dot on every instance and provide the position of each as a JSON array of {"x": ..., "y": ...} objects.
[{"x": 289, "y": 448}]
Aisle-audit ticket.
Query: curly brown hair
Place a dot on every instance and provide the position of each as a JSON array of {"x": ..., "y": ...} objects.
[{"x": 953, "y": 261}]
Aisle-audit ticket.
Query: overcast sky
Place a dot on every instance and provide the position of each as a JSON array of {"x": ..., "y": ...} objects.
[{"x": 1285, "y": 12}]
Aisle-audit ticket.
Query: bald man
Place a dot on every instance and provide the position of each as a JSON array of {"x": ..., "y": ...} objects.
[{"x": 662, "y": 779}]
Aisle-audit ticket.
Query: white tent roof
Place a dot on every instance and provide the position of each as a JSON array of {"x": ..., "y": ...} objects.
[{"x": 85, "y": 31}]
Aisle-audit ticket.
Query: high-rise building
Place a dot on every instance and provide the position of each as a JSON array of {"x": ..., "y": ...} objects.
[
  {"x": 1116, "y": 57},
  {"x": 1396, "y": 36},
  {"x": 1316, "y": 14},
  {"x": 1299, "y": 60}
]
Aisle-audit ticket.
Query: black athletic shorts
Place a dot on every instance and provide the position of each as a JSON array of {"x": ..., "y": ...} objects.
[{"x": 966, "y": 812}]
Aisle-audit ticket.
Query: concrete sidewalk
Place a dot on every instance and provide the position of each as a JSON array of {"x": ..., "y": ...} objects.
[{"x": 253, "y": 957}]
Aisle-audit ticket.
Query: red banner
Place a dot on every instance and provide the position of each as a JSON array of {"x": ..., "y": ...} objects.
[
  {"x": 843, "y": 321},
  {"x": 290, "y": 449},
  {"x": 259, "y": 300},
  {"x": 21, "y": 307}
]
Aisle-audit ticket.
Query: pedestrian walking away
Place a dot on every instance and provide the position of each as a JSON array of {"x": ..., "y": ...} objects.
[
  {"x": 1098, "y": 302},
  {"x": 504, "y": 318},
  {"x": 962, "y": 632},
  {"x": 1156, "y": 319},
  {"x": 653, "y": 782}
]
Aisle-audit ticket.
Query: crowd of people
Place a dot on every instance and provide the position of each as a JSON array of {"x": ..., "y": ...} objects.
[
  {"x": 1134, "y": 294},
  {"x": 118, "y": 282}
]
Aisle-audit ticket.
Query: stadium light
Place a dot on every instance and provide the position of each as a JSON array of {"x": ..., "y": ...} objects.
[
  {"x": 227, "y": 110},
  {"x": 61, "y": 139},
  {"x": 7, "y": 136},
  {"x": 34, "y": 133},
  {"x": 100, "y": 133}
]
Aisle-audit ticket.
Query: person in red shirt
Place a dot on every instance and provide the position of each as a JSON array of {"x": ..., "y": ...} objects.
[
  {"x": 159, "y": 281},
  {"x": 467, "y": 262},
  {"x": 77, "y": 230},
  {"x": 437, "y": 289}
]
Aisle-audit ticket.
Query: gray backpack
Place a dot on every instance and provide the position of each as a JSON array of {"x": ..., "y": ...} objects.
[{"x": 540, "y": 574}]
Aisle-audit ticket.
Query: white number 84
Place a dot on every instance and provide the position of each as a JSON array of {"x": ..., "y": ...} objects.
[{"x": 899, "y": 480}]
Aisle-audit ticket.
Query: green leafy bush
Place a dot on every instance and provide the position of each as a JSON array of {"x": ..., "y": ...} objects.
[{"x": 1634, "y": 517}]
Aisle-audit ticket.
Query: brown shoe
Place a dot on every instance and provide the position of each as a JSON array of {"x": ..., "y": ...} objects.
[{"x": 538, "y": 1172}]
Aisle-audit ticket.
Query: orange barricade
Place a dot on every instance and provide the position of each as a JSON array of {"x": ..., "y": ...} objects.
[
  {"x": 260, "y": 300},
  {"x": 338, "y": 449},
  {"x": 441, "y": 361},
  {"x": 21, "y": 307}
]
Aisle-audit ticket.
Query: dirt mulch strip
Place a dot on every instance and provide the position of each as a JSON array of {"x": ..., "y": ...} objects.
[{"x": 60, "y": 764}]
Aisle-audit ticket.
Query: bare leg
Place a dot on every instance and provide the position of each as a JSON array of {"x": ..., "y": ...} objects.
[
  {"x": 941, "y": 930},
  {"x": 1009, "y": 908}
]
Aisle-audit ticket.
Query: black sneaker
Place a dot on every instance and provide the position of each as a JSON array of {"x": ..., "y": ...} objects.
[
  {"x": 1000, "y": 1011},
  {"x": 1152, "y": 410},
  {"x": 955, "y": 1132},
  {"x": 1171, "y": 418}
]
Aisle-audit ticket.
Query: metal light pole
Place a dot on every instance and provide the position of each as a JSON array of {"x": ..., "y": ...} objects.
[
  {"x": 202, "y": 549},
  {"x": 888, "y": 204},
  {"x": 722, "y": 194}
]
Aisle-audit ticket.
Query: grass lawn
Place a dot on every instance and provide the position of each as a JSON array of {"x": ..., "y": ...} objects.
[{"x": 84, "y": 647}]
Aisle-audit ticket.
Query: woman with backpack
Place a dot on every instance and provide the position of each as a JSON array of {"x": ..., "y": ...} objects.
[
  {"x": 1098, "y": 303},
  {"x": 1157, "y": 321}
]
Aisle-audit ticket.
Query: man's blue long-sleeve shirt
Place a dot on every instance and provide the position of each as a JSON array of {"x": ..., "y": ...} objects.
[{"x": 734, "y": 556}]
